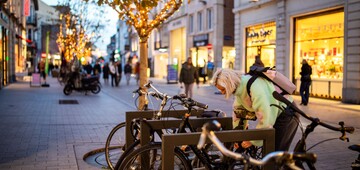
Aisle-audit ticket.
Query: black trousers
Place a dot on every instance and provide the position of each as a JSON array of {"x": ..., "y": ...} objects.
[
  {"x": 285, "y": 129},
  {"x": 113, "y": 79}
]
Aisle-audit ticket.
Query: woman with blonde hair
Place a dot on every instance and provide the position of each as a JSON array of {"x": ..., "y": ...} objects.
[{"x": 257, "y": 106}]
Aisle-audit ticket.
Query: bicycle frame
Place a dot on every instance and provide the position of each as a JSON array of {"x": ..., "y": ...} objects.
[{"x": 301, "y": 144}]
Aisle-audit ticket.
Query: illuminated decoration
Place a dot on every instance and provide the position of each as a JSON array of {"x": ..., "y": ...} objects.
[
  {"x": 139, "y": 13},
  {"x": 144, "y": 16},
  {"x": 72, "y": 40}
]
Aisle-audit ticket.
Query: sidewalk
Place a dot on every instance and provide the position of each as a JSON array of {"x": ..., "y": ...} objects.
[{"x": 39, "y": 133}]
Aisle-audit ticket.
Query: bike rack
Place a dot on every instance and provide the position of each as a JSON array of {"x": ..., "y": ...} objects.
[
  {"x": 169, "y": 141},
  {"x": 131, "y": 115}
]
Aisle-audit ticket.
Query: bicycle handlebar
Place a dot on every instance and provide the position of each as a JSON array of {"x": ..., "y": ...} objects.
[
  {"x": 189, "y": 102},
  {"x": 279, "y": 157},
  {"x": 342, "y": 128}
]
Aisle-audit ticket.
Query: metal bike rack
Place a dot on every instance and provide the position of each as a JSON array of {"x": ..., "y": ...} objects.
[
  {"x": 145, "y": 128},
  {"x": 169, "y": 141},
  {"x": 129, "y": 116}
]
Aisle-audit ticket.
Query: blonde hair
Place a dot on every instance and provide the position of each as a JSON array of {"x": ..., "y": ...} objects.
[{"x": 227, "y": 78}]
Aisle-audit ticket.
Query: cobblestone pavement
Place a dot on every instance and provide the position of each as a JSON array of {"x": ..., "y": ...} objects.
[{"x": 39, "y": 133}]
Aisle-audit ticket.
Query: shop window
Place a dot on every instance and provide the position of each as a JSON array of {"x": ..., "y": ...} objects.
[
  {"x": 261, "y": 40},
  {"x": 320, "y": 40}
]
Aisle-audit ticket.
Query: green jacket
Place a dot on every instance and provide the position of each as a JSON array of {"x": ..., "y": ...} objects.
[
  {"x": 261, "y": 98},
  {"x": 188, "y": 75}
]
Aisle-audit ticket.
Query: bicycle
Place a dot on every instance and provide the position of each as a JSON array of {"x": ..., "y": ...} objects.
[
  {"x": 301, "y": 144},
  {"x": 280, "y": 158},
  {"x": 356, "y": 164},
  {"x": 148, "y": 156},
  {"x": 115, "y": 142}
]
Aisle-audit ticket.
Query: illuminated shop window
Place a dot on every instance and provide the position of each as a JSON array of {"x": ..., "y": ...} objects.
[
  {"x": 261, "y": 40},
  {"x": 320, "y": 40}
]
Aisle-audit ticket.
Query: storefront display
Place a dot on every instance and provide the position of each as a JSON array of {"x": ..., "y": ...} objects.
[
  {"x": 319, "y": 39},
  {"x": 261, "y": 40}
]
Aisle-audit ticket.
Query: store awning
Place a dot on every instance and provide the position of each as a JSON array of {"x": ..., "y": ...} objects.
[{"x": 27, "y": 40}]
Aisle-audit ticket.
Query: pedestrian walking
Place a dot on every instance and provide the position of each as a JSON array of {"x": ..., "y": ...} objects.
[
  {"x": 137, "y": 72},
  {"x": 118, "y": 73},
  {"x": 106, "y": 72},
  {"x": 188, "y": 75},
  {"x": 210, "y": 68},
  {"x": 113, "y": 75},
  {"x": 128, "y": 71},
  {"x": 305, "y": 79}
]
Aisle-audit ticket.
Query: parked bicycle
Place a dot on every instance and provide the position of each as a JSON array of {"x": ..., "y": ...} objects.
[
  {"x": 356, "y": 164},
  {"x": 301, "y": 144},
  {"x": 282, "y": 160},
  {"x": 149, "y": 156},
  {"x": 115, "y": 143}
]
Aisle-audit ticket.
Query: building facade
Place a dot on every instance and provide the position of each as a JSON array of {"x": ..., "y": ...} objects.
[
  {"x": 48, "y": 21},
  {"x": 12, "y": 39},
  {"x": 324, "y": 32},
  {"x": 210, "y": 33}
]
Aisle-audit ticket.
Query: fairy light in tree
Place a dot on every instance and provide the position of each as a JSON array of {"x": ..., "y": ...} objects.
[
  {"x": 71, "y": 38},
  {"x": 136, "y": 14}
]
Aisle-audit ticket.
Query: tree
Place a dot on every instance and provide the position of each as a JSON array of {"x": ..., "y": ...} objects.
[
  {"x": 80, "y": 25},
  {"x": 144, "y": 16}
]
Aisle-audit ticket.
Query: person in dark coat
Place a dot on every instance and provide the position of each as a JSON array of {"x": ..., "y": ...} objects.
[
  {"x": 188, "y": 75},
  {"x": 106, "y": 72},
  {"x": 97, "y": 68},
  {"x": 88, "y": 68},
  {"x": 305, "y": 73},
  {"x": 258, "y": 61},
  {"x": 128, "y": 71},
  {"x": 119, "y": 72}
]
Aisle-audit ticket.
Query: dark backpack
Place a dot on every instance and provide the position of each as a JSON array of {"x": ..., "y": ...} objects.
[{"x": 286, "y": 86}]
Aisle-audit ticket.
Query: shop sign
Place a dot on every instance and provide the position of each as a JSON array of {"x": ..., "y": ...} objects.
[
  {"x": 27, "y": 7},
  {"x": 201, "y": 40},
  {"x": 176, "y": 24},
  {"x": 172, "y": 73},
  {"x": 261, "y": 34}
]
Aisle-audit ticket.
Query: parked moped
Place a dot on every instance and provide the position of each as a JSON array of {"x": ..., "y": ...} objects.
[{"x": 91, "y": 83}]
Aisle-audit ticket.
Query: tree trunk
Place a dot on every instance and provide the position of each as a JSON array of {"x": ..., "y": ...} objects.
[{"x": 143, "y": 69}]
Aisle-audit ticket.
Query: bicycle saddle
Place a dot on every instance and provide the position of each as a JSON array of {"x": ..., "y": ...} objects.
[{"x": 355, "y": 147}]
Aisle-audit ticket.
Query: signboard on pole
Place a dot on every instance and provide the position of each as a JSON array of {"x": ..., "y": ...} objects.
[
  {"x": 172, "y": 74},
  {"x": 35, "y": 80}
]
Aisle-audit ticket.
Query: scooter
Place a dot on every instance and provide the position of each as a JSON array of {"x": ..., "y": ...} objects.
[{"x": 91, "y": 83}]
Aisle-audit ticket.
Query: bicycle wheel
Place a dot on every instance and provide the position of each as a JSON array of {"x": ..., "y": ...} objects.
[
  {"x": 114, "y": 146},
  {"x": 149, "y": 157},
  {"x": 253, "y": 151},
  {"x": 213, "y": 153}
]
